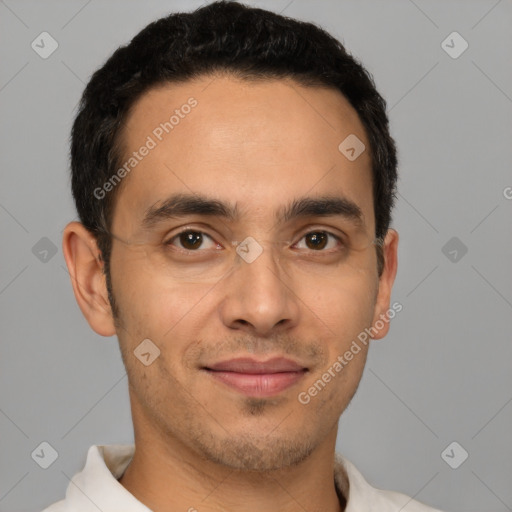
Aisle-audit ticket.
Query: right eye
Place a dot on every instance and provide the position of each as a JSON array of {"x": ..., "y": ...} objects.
[{"x": 191, "y": 240}]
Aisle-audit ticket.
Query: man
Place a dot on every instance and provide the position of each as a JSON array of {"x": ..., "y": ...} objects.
[{"x": 234, "y": 176}]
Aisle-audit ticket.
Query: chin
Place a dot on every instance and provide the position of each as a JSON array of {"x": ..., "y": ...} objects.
[{"x": 250, "y": 453}]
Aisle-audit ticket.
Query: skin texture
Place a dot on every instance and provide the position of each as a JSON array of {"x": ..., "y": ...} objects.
[{"x": 199, "y": 443}]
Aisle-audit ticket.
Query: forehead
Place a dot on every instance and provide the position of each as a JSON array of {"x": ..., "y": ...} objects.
[{"x": 255, "y": 143}]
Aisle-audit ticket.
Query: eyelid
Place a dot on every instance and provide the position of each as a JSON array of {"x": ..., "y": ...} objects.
[{"x": 341, "y": 236}]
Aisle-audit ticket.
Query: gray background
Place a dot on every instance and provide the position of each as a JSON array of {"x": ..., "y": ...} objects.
[{"x": 442, "y": 374}]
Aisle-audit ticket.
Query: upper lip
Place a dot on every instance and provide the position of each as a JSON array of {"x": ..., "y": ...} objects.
[{"x": 252, "y": 366}]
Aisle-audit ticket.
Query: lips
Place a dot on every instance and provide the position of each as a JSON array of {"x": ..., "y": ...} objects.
[
  {"x": 247, "y": 365},
  {"x": 257, "y": 378}
]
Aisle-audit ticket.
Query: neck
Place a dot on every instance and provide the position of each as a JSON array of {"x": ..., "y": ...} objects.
[{"x": 169, "y": 476}]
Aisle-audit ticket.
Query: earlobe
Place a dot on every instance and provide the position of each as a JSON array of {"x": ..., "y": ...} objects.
[
  {"x": 381, "y": 318},
  {"x": 83, "y": 259}
]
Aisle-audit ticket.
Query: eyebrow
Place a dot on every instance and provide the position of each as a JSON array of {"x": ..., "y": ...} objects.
[{"x": 181, "y": 205}]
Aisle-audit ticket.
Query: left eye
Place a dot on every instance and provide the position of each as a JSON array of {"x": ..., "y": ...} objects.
[
  {"x": 318, "y": 240},
  {"x": 193, "y": 240}
]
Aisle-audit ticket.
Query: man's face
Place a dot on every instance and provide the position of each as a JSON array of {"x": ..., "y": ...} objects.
[{"x": 303, "y": 289}]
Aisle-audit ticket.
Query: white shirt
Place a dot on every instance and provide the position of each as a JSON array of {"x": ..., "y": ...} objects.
[{"x": 96, "y": 487}]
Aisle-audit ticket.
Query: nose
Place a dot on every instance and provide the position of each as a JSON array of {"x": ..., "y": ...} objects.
[{"x": 259, "y": 297}]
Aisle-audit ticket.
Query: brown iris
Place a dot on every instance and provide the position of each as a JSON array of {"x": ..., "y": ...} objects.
[
  {"x": 191, "y": 239},
  {"x": 316, "y": 240}
]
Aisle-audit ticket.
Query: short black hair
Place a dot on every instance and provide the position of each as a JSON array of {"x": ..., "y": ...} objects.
[{"x": 224, "y": 36}]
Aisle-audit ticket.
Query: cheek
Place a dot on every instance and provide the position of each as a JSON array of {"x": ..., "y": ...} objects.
[
  {"x": 142, "y": 293},
  {"x": 344, "y": 303},
  {"x": 162, "y": 309}
]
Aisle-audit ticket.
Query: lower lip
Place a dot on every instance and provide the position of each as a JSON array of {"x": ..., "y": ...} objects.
[{"x": 258, "y": 385}]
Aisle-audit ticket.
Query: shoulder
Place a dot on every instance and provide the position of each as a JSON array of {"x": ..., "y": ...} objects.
[
  {"x": 398, "y": 501},
  {"x": 362, "y": 496},
  {"x": 59, "y": 506}
]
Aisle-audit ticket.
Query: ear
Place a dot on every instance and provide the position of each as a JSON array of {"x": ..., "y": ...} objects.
[
  {"x": 386, "y": 280},
  {"x": 83, "y": 259}
]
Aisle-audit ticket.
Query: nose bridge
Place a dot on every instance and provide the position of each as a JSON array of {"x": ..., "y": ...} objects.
[{"x": 257, "y": 263}]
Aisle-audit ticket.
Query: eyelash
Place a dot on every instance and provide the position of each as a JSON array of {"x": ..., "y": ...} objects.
[{"x": 189, "y": 251}]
